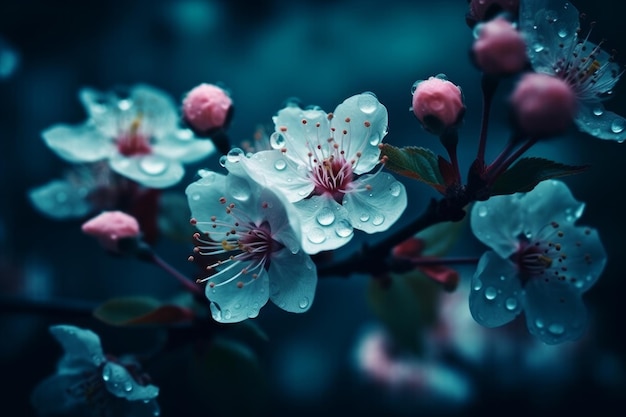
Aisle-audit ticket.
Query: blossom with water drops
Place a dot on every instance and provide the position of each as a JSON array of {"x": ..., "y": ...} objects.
[
  {"x": 540, "y": 262},
  {"x": 88, "y": 382},
  {"x": 138, "y": 134},
  {"x": 551, "y": 29},
  {"x": 252, "y": 236},
  {"x": 321, "y": 162}
]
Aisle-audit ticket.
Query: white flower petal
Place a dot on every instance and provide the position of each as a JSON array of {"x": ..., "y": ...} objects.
[
  {"x": 377, "y": 207},
  {"x": 554, "y": 311},
  {"x": 498, "y": 222},
  {"x": 282, "y": 218},
  {"x": 152, "y": 171},
  {"x": 231, "y": 304},
  {"x": 324, "y": 223},
  {"x": 103, "y": 110},
  {"x": 273, "y": 169},
  {"x": 551, "y": 201},
  {"x": 120, "y": 383},
  {"x": 293, "y": 278},
  {"x": 495, "y": 297},
  {"x": 61, "y": 199},
  {"x": 82, "y": 143},
  {"x": 156, "y": 108},
  {"x": 594, "y": 119},
  {"x": 365, "y": 120},
  {"x": 203, "y": 197},
  {"x": 183, "y": 146},
  {"x": 81, "y": 346},
  {"x": 550, "y": 28},
  {"x": 299, "y": 138}
]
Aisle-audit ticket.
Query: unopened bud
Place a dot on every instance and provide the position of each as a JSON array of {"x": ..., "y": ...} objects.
[
  {"x": 500, "y": 49},
  {"x": 438, "y": 104},
  {"x": 543, "y": 105},
  {"x": 111, "y": 226},
  {"x": 207, "y": 108}
]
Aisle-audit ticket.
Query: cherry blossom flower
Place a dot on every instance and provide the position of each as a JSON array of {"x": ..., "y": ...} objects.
[
  {"x": 138, "y": 134},
  {"x": 88, "y": 382},
  {"x": 253, "y": 235},
  {"x": 321, "y": 162},
  {"x": 551, "y": 29},
  {"x": 540, "y": 262}
]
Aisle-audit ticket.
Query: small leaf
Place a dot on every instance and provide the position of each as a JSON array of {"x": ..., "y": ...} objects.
[
  {"x": 528, "y": 172},
  {"x": 135, "y": 311},
  {"x": 414, "y": 162},
  {"x": 406, "y": 306}
]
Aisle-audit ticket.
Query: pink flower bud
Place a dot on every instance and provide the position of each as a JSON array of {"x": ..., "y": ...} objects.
[
  {"x": 500, "y": 49},
  {"x": 206, "y": 108},
  {"x": 543, "y": 105},
  {"x": 483, "y": 10},
  {"x": 110, "y": 226},
  {"x": 438, "y": 104}
]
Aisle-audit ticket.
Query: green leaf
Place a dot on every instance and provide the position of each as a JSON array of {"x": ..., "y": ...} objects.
[
  {"x": 406, "y": 305},
  {"x": 528, "y": 172},
  {"x": 414, "y": 162},
  {"x": 138, "y": 311}
]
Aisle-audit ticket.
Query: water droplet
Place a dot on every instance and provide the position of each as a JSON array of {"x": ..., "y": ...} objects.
[
  {"x": 237, "y": 306},
  {"x": 227, "y": 314},
  {"x": 303, "y": 303},
  {"x": 482, "y": 211},
  {"x": 106, "y": 373},
  {"x": 598, "y": 111},
  {"x": 325, "y": 216},
  {"x": 414, "y": 86},
  {"x": 223, "y": 160},
  {"x": 510, "y": 304},
  {"x": 316, "y": 235},
  {"x": 128, "y": 386},
  {"x": 490, "y": 293},
  {"x": 395, "y": 189},
  {"x": 280, "y": 164},
  {"x": 239, "y": 188},
  {"x": 343, "y": 229},
  {"x": 124, "y": 104},
  {"x": 277, "y": 140},
  {"x": 538, "y": 47},
  {"x": 374, "y": 139},
  {"x": 153, "y": 164},
  {"x": 378, "y": 219},
  {"x": 234, "y": 155},
  {"x": 556, "y": 329},
  {"x": 195, "y": 196},
  {"x": 364, "y": 217},
  {"x": 562, "y": 32},
  {"x": 539, "y": 323},
  {"x": 478, "y": 284},
  {"x": 617, "y": 126},
  {"x": 367, "y": 102},
  {"x": 252, "y": 313},
  {"x": 477, "y": 29}
]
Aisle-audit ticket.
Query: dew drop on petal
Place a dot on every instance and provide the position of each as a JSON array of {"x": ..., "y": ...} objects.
[
  {"x": 237, "y": 306},
  {"x": 124, "y": 104},
  {"x": 325, "y": 216},
  {"x": 395, "y": 189},
  {"x": 316, "y": 235},
  {"x": 223, "y": 160},
  {"x": 368, "y": 103},
  {"x": 128, "y": 386},
  {"x": 234, "y": 155},
  {"x": 490, "y": 293},
  {"x": 617, "y": 126},
  {"x": 414, "y": 86},
  {"x": 510, "y": 304},
  {"x": 252, "y": 313},
  {"x": 106, "y": 373},
  {"x": 556, "y": 329},
  {"x": 562, "y": 32},
  {"x": 364, "y": 217},
  {"x": 277, "y": 140},
  {"x": 343, "y": 229},
  {"x": 303, "y": 303},
  {"x": 482, "y": 211},
  {"x": 280, "y": 164},
  {"x": 227, "y": 314},
  {"x": 539, "y": 323},
  {"x": 153, "y": 164},
  {"x": 195, "y": 196},
  {"x": 239, "y": 189},
  {"x": 598, "y": 111},
  {"x": 538, "y": 47},
  {"x": 378, "y": 219},
  {"x": 478, "y": 284},
  {"x": 374, "y": 139}
]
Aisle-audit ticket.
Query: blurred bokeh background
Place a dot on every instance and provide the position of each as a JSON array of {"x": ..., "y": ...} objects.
[{"x": 265, "y": 52}]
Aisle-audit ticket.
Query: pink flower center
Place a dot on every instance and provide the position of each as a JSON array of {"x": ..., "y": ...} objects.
[
  {"x": 332, "y": 175},
  {"x": 134, "y": 142}
]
